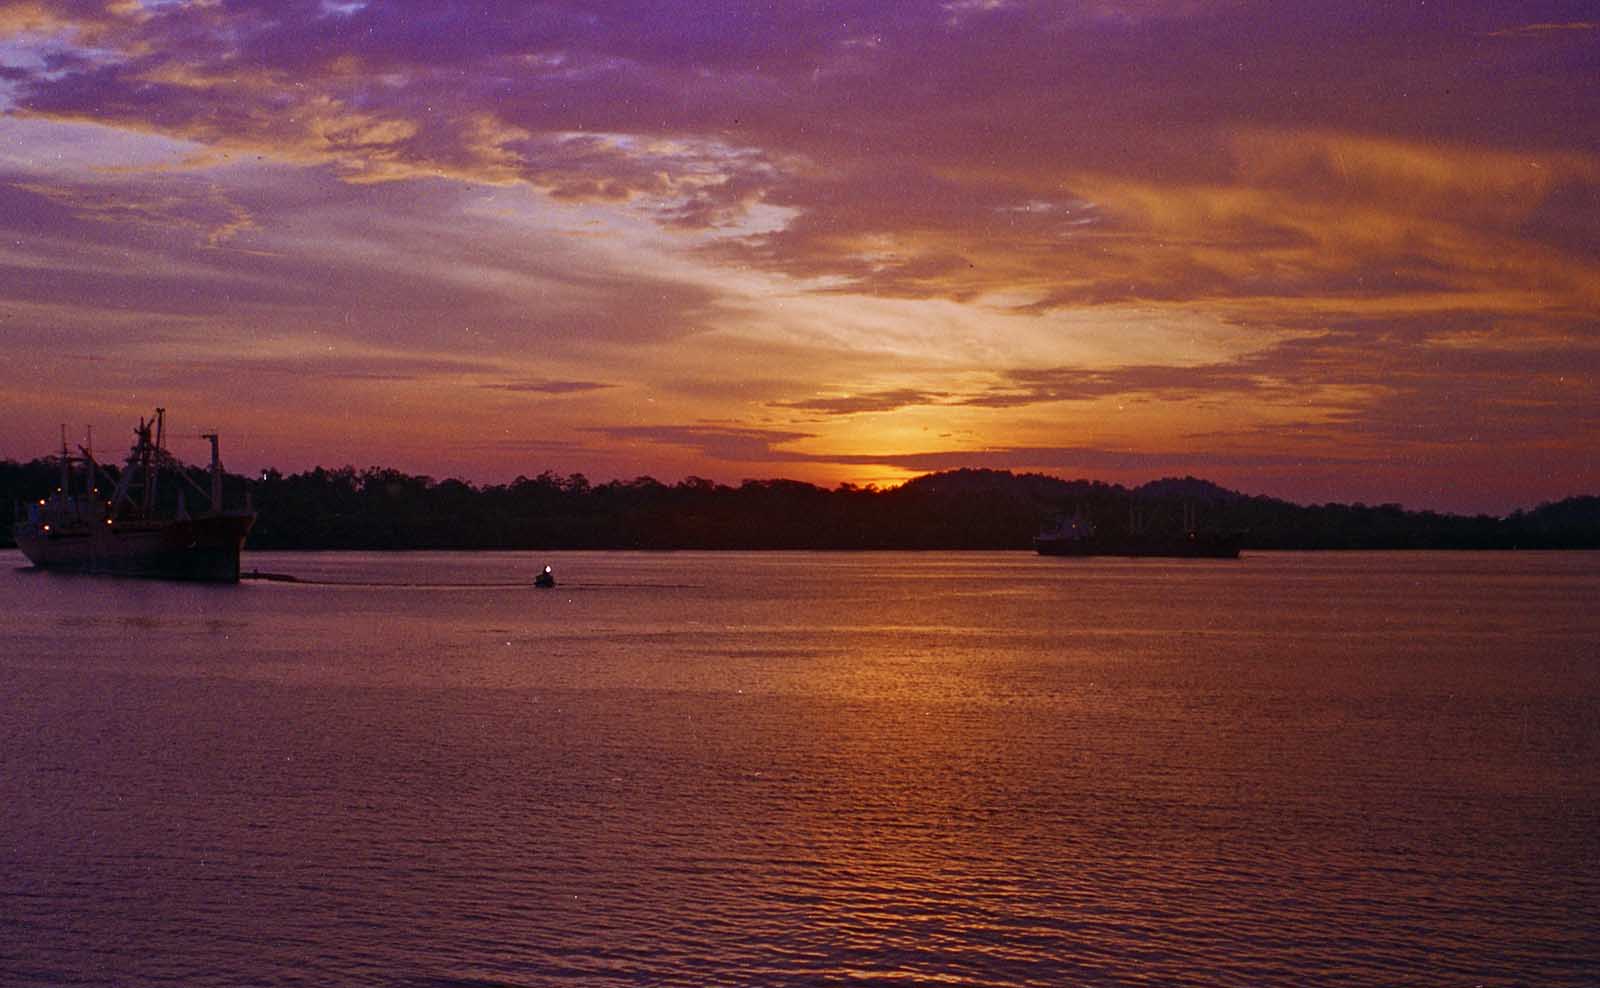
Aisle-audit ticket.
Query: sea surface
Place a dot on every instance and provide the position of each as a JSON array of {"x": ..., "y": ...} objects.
[{"x": 981, "y": 769}]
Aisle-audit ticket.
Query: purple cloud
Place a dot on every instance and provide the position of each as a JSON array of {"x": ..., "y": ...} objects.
[{"x": 1392, "y": 207}]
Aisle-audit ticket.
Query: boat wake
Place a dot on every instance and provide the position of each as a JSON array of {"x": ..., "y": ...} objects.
[{"x": 259, "y": 576}]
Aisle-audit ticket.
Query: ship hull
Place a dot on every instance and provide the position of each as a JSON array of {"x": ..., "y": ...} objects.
[
  {"x": 1173, "y": 548},
  {"x": 205, "y": 549}
]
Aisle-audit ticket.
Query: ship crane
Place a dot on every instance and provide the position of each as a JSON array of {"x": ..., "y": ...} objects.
[
  {"x": 216, "y": 472},
  {"x": 214, "y": 495}
]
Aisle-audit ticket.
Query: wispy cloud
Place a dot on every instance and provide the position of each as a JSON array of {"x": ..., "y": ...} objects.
[
  {"x": 808, "y": 229},
  {"x": 1538, "y": 30},
  {"x": 872, "y": 401},
  {"x": 548, "y": 387},
  {"x": 729, "y": 443}
]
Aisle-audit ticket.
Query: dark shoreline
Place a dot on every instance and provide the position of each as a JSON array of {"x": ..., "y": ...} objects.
[
  {"x": 830, "y": 550},
  {"x": 381, "y": 509}
]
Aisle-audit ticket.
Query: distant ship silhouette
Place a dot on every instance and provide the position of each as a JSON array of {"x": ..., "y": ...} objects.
[{"x": 128, "y": 535}]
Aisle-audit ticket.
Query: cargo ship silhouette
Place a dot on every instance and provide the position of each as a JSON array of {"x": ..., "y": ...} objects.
[{"x": 129, "y": 533}]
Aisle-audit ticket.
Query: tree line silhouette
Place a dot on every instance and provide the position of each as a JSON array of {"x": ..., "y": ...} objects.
[{"x": 382, "y": 508}]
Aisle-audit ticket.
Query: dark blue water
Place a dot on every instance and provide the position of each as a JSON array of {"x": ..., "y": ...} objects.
[{"x": 750, "y": 769}]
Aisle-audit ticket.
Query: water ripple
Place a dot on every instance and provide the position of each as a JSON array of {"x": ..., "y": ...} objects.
[{"x": 809, "y": 771}]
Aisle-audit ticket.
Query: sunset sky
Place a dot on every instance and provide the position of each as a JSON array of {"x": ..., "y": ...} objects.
[{"x": 1330, "y": 251}]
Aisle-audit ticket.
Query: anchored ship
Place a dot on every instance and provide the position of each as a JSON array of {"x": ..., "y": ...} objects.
[
  {"x": 134, "y": 531},
  {"x": 1076, "y": 535}
]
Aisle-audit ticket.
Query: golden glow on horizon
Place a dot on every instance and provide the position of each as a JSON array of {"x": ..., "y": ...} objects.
[{"x": 602, "y": 257}]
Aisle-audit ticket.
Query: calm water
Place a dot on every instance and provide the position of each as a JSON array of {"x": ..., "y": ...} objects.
[{"x": 751, "y": 769}]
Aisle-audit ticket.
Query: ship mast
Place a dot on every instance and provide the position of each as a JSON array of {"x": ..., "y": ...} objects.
[
  {"x": 66, "y": 465},
  {"x": 140, "y": 472},
  {"x": 216, "y": 473},
  {"x": 152, "y": 462}
]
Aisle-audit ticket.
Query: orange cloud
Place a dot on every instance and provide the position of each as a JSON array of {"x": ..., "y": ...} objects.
[
  {"x": 905, "y": 235},
  {"x": 1537, "y": 30}
]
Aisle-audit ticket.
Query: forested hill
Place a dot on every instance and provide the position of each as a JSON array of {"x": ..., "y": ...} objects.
[{"x": 963, "y": 509}]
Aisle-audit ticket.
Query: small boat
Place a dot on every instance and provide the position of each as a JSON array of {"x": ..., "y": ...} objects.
[
  {"x": 135, "y": 532},
  {"x": 545, "y": 579}
]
